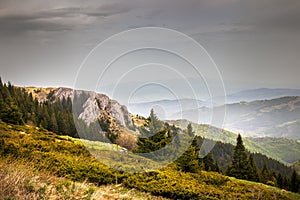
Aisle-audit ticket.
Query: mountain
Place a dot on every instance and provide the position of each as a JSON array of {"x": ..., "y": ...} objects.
[
  {"x": 165, "y": 108},
  {"x": 263, "y": 118},
  {"x": 261, "y": 94},
  {"x": 26, "y": 131},
  {"x": 94, "y": 106},
  {"x": 286, "y": 151},
  {"x": 169, "y": 107}
]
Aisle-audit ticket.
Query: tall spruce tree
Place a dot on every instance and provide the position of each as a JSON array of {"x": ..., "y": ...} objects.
[
  {"x": 189, "y": 161},
  {"x": 239, "y": 167},
  {"x": 253, "y": 174},
  {"x": 155, "y": 125},
  {"x": 210, "y": 164},
  {"x": 294, "y": 182},
  {"x": 279, "y": 180},
  {"x": 265, "y": 174},
  {"x": 154, "y": 135}
]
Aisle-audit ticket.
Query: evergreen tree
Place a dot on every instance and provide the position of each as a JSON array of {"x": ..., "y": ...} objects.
[
  {"x": 155, "y": 125},
  {"x": 209, "y": 163},
  {"x": 272, "y": 180},
  {"x": 253, "y": 174},
  {"x": 189, "y": 161},
  {"x": 53, "y": 123},
  {"x": 154, "y": 135},
  {"x": 239, "y": 167},
  {"x": 10, "y": 112},
  {"x": 286, "y": 183},
  {"x": 294, "y": 182},
  {"x": 265, "y": 175},
  {"x": 279, "y": 180}
]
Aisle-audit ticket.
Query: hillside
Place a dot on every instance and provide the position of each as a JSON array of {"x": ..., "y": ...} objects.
[
  {"x": 284, "y": 150},
  {"x": 264, "y": 118},
  {"x": 20, "y": 181},
  {"x": 62, "y": 157}
]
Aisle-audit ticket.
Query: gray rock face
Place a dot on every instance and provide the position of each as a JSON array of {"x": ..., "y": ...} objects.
[
  {"x": 95, "y": 105},
  {"x": 119, "y": 112},
  {"x": 91, "y": 111},
  {"x": 61, "y": 93}
]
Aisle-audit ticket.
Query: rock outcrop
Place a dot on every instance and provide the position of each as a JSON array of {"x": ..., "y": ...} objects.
[{"x": 96, "y": 105}]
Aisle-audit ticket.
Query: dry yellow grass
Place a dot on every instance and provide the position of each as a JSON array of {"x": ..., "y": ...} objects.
[
  {"x": 138, "y": 121},
  {"x": 20, "y": 181},
  {"x": 39, "y": 93}
]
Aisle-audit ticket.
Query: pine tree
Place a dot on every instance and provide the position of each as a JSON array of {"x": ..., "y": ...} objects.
[
  {"x": 265, "y": 175},
  {"x": 53, "y": 123},
  {"x": 272, "y": 181},
  {"x": 279, "y": 180},
  {"x": 239, "y": 167},
  {"x": 155, "y": 125},
  {"x": 10, "y": 112},
  {"x": 294, "y": 182},
  {"x": 154, "y": 135},
  {"x": 286, "y": 183},
  {"x": 209, "y": 163},
  {"x": 253, "y": 174},
  {"x": 189, "y": 161}
]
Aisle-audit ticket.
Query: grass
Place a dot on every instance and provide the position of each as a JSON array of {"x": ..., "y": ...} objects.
[
  {"x": 101, "y": 146},
  {"x": 36, "y": 156},
  {"x": 18, "y": 180}
]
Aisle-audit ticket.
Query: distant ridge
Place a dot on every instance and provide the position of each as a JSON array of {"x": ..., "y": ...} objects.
[
  {"x": 278, "y": 117},
  {"x": 261, "y": 94}
]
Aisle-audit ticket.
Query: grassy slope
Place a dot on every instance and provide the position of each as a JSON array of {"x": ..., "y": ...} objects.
[
  {"x": 284, "y": 150},
  {"x": 20, "y": 181},
  {"x": 64, "y": 158}
]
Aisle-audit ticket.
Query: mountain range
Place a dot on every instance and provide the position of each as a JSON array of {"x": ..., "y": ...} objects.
[
  {"x": 165, "y": 108},
  {"x": 284, "y": 150},
  {"x": 255, "y": 113},
  {"x": 263, "y": 118},
  {"x": 261, "y": 94}
]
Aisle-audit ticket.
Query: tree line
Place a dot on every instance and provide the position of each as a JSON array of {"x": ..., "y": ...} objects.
[
  {"x": 241, "y": 164},
  {"x": 19, "y": 107}
]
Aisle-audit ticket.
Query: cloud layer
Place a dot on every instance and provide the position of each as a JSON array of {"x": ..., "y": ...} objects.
[{"x": 254, "y": 42}]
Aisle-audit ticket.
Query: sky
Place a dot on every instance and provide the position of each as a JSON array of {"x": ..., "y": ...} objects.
[{"x": 253, "y": 43}]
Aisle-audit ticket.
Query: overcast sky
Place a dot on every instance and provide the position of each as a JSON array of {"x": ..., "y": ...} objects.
[{"x": 255, "y": 43}]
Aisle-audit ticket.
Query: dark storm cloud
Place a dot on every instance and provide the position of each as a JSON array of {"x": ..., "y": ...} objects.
[
  {"x": 56, "y": 19},
  {"x": 17, "y": 26},
  {"x": 222, "y": 16}
]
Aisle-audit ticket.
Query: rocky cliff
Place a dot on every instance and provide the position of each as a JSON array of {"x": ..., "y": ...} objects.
[{"x": 95, "y": 105}]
